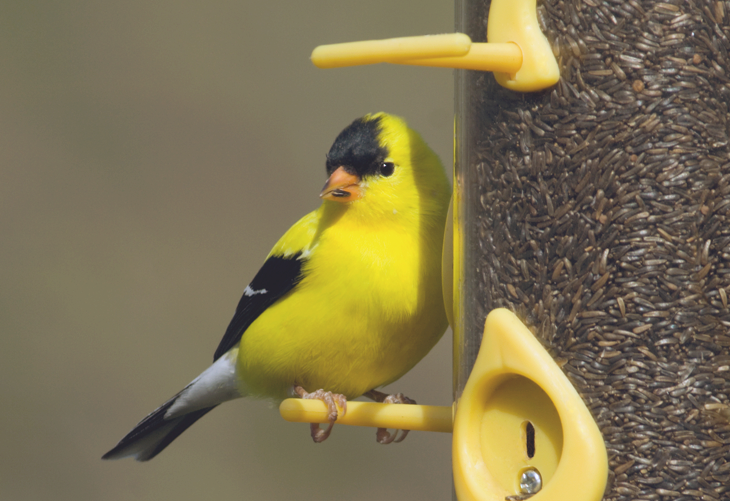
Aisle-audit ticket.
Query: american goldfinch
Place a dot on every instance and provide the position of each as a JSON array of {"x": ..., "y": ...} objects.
[{"x": 348, "y": 300}]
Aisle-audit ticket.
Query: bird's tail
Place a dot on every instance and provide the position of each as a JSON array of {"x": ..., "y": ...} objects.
[{"x": 156, "y": 431}]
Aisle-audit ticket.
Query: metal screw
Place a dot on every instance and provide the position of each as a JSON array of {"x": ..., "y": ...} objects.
[{"x": 530, "y": 481}]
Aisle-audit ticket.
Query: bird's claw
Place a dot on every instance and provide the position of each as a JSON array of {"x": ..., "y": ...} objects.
[
  {"x": 333, "y": 401},
  {"x": 383, "y": 436},
  {"x": 319, "y": 435},
  {"x": 398, "y": 398}
]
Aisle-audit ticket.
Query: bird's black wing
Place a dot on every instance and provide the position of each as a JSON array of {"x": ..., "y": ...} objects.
[{"x": 276, "y": 277}]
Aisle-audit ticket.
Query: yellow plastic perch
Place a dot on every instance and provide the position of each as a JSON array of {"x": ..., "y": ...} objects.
[
  {"x": 403, "y": 417},
  {"x": 390, "y": 50},
  {"x": 517, "y": 51},
  {"x": 453, "y": 50}
]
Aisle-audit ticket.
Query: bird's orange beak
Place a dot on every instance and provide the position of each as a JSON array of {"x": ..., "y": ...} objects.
[{"x": 342, "y": 187}]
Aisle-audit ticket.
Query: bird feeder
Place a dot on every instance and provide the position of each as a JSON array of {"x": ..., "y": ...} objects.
[{"x": 591, "y": 249}]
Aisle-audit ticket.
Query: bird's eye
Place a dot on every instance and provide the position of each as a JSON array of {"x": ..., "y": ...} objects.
[{"x": 387, "y": 169}]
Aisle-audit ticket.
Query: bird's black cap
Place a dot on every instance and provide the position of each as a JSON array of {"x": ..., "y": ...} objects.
[{"x": 357, "y": 148}]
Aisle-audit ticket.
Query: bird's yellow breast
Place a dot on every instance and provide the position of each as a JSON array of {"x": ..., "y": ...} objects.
[{"x": 368, "y": 308}]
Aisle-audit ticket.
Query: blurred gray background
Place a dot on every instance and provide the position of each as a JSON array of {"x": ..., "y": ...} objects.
[{"x": 151, "y": 153}]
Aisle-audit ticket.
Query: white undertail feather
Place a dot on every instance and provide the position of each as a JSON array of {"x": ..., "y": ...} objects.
[{"x": 217, "y": 384}]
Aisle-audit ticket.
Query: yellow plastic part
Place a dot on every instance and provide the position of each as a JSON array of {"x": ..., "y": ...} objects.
[
  {"x": 447, "y": 265},
  {"x": 454, "y": 50},
  {"x": 515, "y": 384},
  {"x": 395, "y": 416},
  {"x": 516, "y": 21},
  {"x": 390, "y": 50},
  {"x": 503, "y": 57},
  {"x": 517, "y": 51}
]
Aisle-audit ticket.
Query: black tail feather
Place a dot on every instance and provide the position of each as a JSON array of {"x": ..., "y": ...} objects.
[
  {"x": 154, "y": 433},
  {"x": 183, "y": 424}
]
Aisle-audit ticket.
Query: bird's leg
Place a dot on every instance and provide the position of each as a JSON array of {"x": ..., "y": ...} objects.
[
  {"x": 332, "y": 401},
  {"x": 382, "y": 435}
]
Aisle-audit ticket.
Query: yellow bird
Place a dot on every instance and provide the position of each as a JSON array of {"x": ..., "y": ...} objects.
[{"x": 348, "y": 300}]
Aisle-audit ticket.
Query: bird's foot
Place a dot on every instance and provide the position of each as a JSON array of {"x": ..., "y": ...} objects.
[
  {"x": 383, "y": 436},
  {"x": 333, "y": 401}
]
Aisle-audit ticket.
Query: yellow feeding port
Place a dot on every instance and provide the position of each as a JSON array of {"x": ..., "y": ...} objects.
[
  {"x": 520, "y": 421},
  {"x": 520, "y": 426},
  {"x": 516, "y": 21}
]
